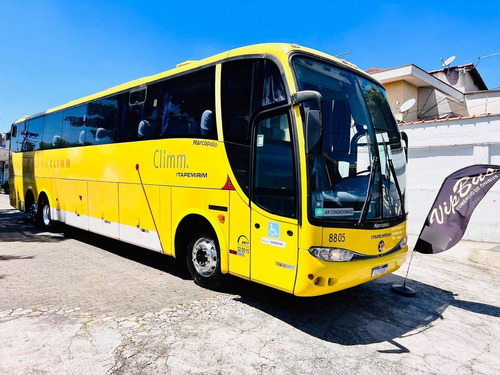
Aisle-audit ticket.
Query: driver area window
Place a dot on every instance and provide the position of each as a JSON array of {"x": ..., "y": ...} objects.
[{"x": 274, "y": 187}]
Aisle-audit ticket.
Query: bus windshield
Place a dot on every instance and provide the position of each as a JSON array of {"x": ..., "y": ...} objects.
[{"x": 357, "y": 169}]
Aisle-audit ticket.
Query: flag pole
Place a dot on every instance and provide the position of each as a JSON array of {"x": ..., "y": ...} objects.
[{"x": 404, "y": 290}]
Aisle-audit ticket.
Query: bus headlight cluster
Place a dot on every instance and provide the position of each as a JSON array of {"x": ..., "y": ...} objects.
[
  {"x": 331, "y": 254},
  {"x": 401, "y": 244}
]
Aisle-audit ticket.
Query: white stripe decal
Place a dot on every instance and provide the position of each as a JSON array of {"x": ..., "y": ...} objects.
[{"x": 126, "y": 233}]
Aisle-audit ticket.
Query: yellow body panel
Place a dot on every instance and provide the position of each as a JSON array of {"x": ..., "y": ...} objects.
[
  {"x": 239, "y": 236},
  {"x": 211, "y": 204},
  {"x": 363, "y": 241},
  {"x": 134, "y": 208},
  {"x": 103, "y": 206},
  {"x": 273, "y": 251},
  {"x": 71, "y": 202},
  {"x": 16, "y": 189},
  {"x": 165, "y": 224}
]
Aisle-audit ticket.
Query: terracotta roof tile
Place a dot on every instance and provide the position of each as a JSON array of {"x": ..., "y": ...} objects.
[
  {"x": 374, "y": 70},
  {"x": 449, "y": 119}
]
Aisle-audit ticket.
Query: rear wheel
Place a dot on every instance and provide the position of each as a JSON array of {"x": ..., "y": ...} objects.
[
  {"x": 203, "y": 261},
  {"x": 34, "y": 214},
  {"x": 45, "y": 219}
]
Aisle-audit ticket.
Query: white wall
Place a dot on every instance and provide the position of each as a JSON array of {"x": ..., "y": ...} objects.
[
  {"x": 483, "y": 102},
  {"x": 440, "y": 148}
]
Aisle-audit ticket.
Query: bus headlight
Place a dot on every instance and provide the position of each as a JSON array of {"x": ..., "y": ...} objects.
[
  {"x": 401, "y": 244},
  {"x": 331, "y": 254}
]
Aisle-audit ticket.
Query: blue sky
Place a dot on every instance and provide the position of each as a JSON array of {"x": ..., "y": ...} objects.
[{"x": 52, "y": 52}]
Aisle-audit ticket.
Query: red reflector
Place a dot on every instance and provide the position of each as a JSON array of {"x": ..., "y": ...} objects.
[
  {"x": 233, "y": 252},
  {"x": 228, "y": 185},
  {"x": 310, "y": 276}
]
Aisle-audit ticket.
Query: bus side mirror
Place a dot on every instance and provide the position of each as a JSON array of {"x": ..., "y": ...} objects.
[
  {"x": 404, "y": 137},
  {"x": 313, "y": 131}
]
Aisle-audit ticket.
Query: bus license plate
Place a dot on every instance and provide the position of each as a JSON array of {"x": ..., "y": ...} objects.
[{"x": 380, "y": 270}]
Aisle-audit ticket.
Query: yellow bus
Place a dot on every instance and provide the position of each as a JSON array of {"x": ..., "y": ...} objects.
[{"x": 275, "y": 163}]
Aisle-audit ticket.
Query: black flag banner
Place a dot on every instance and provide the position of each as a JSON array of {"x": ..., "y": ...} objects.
[{"x": 459, "y": 195}]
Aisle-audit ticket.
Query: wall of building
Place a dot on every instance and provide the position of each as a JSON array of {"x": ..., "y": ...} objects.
[
  {"x": 4, "y": 165},
  {"x": 434, "y": 104},
  {"x": 440, "y": 148},
  {"x": 401, "y": 91},
  {"x": 4, "y": 158},
  {"x": 483, "y": 102},
  {"x": 459, "y": 78}
]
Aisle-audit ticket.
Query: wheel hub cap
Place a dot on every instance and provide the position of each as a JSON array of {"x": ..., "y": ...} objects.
[
  {"x": 204, "y": 257},
  {"x": 46, "y": 214}
]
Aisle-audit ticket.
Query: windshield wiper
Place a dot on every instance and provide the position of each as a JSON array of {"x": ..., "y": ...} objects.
[
  {"x": 396, "y": 182},
  {"x": 393, "y": 172},
  {"x": 369, "y": 192}
]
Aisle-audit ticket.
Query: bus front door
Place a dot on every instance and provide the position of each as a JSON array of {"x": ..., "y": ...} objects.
[{"x": 274, "y": 227}]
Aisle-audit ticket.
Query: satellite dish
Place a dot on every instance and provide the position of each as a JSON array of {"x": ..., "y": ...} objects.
[
  {"x": 448, "y": 61},
  {"x": 407, "y": 105}
]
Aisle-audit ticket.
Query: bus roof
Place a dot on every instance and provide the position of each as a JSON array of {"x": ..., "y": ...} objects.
[{"x": 280, "y": 50}]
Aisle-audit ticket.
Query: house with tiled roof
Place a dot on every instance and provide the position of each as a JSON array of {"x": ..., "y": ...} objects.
[{"x": 445, "y": 93}]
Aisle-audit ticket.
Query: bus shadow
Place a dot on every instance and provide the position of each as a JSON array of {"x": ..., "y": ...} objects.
[
  {"x": 134, "y": 253},
  {"x": 15, "y": 226},
  {"x": 366, "y": 314}
]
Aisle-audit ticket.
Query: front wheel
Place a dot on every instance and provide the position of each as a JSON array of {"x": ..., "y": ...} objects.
[{"x": 203, "y": 261}]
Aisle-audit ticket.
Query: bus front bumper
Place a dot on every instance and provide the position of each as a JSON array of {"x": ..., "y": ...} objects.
[{"x": 317, "y": 277}]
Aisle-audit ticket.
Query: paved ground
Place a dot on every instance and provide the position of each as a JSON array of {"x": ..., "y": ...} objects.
[{"x": 74, "y": 303}]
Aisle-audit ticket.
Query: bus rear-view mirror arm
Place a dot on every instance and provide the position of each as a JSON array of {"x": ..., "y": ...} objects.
[
  {"x": 314, "y": 119},
  {"x": 306, "y": 95}
]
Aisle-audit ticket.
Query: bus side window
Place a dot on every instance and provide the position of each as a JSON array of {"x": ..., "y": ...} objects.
[
  {"x": 73, "y": 129},
  {"x": 52, "y": 130},
  {"x": 274, "y": 182},
  {"x": 135, "y": 113},
  {"x": 14, "y": 137},
  {"x": 237, "y": 82},
  {"x": 247, "y": 86},
  {"x": 188, "y": 105},
  {"x": 146, "y": 128},
  {"x": 34, "y": 134},
  {"x": 101, "y": 120},
  {"x": 141, "y": 113}
]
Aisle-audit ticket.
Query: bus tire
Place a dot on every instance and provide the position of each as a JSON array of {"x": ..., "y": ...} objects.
[
  {"x": 45, "y": 219},
  {"x": 33, "y": 211},
  {"x": 203, "y": 261}
]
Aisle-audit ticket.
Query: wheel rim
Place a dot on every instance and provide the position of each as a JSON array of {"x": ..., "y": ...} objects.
[
  {"x": 46, "y": 214},
  {"x": 204, "y": 257}
]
